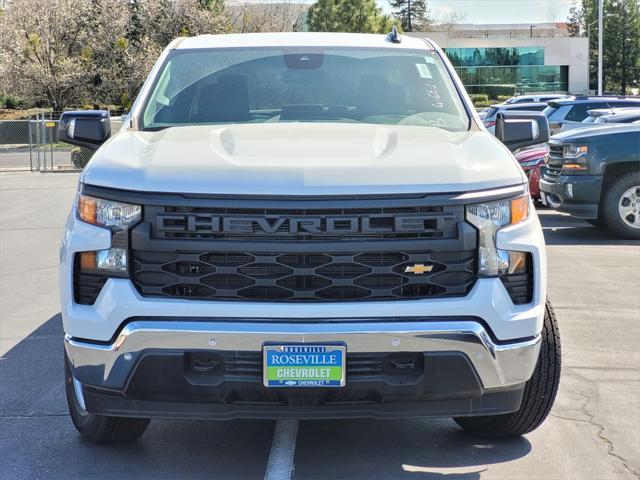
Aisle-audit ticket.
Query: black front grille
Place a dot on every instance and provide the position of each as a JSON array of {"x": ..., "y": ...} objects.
[
  {"x": 304, "y": 224},
  {"x": 555, "y": 150},
  {"x": 236, "y": 378},
  {"x": 552, "y": 172},
  {"x": 554, "y": 163},
  {"x": 304, "y": 276},
  {"x": 312, "y": 249}
]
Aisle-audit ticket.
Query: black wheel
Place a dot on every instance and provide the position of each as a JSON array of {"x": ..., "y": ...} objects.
[
  {"x": 621, "y": 206},
  {"x": 98, "y": 428},
  {"x": 539, "y": 392}
]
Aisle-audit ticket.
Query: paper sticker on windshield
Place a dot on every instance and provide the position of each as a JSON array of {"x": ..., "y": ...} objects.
[{"x": 423, "y": 70}]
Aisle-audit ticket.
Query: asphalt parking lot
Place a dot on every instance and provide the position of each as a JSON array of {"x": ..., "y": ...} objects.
[{"x": 593, "y": 431}]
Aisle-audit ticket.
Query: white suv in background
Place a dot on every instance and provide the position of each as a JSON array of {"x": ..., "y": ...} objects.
[
  {"x": 490, "y": 117},
  {"x": 535, "y": 98},
  {"x": 568, "y": 113}
]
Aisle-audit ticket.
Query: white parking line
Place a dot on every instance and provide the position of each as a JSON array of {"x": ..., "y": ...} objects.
[{"x": 283, "y": 448}]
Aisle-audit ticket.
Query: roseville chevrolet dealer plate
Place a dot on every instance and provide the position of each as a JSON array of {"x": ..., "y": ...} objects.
[{"x": 304, "y": 365}]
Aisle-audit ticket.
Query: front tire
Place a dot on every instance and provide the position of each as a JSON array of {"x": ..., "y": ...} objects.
[
  {"x": 98, "y": 428},
  {"x": 596, "y": 222},
  {"x": 539, "y": 392},
  {"x": 621, "y": 206}
]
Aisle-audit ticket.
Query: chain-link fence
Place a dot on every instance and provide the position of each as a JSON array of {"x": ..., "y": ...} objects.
[{"x": 32, "y": 144}]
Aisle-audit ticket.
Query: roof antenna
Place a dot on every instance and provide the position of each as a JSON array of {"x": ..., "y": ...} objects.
[{"x": 393, "y": 35}]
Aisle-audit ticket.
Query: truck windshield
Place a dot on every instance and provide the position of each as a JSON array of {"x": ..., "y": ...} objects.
[{"x": 331, "y": 85}]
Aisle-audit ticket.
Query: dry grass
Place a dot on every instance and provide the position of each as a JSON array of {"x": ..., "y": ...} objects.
[{"x": 10, "y": 114}]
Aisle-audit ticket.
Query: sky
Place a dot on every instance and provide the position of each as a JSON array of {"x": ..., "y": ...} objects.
[
  {"x": 500, "y": 11},
  {"x": 487, "y": 11}
]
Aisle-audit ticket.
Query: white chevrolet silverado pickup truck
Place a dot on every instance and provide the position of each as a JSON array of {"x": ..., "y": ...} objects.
[{"x": 305, "y": 225}]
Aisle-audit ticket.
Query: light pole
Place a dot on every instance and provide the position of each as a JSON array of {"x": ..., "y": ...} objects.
[{"x": 599, "y": 21}]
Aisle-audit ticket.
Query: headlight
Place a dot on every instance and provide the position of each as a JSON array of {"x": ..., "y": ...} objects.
[
  {"x": 490, "y": 217},
  {"x": 107, "y": 213},
  {"x": 574, "y": 151},
  {"x": 111, "y": 262}
]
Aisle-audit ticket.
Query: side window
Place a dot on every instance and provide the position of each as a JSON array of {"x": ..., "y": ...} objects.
[
  {"x": 623, "y": 104},
  {"x": 579, "y": 111},
  {"x": 558, "y": 114},
  {"x": 531, "y": 108},
  {"x": 491, "y": 114}
]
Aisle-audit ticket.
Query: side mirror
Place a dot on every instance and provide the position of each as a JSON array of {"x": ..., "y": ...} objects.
[
  {"x": 517, "y": 130},
  {"x": 85, "y": 128}
]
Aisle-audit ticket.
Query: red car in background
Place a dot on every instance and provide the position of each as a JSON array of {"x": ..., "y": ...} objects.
[{"x": 532, "y": 162}]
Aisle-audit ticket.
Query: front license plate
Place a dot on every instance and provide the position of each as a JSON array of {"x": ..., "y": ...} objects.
[{"x": 304, "y": 365}]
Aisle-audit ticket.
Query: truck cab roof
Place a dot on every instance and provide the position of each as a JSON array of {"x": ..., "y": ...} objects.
[{"x": 306, "y": 39}]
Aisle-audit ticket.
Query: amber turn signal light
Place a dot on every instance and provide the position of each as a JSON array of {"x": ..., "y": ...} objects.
[
  {"x": 88, "y": 261},
  {"x": 519, "y": 209},
  {"x": 574, "y": 167},
  {"x": 87, "y": 209}
]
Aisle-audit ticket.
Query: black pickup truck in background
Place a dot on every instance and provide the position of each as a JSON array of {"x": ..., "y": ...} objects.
[{"x": 594, "y": 174}]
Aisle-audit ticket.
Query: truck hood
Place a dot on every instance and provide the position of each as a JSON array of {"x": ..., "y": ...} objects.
[
  {"x": 595, "y": 130},
  {"x": 302, "y": 159}
]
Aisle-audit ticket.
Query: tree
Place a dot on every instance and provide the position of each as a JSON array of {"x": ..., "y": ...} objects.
[
  {"x": 44, "y": 49},
  {"x": 413, "y": 14},
  {"x": 621, "y": 35},
  {"x": 164, "y": 20},
  {"x": 622, "y": 53},
  {"x": 323, "y": 16},
  {"x": 267, "y": 17},
  {"x": 574, "y": 20},
  {"x": 447, "y": 22},
  {"x": 552, "y": 14},
  {"x": 63, "y": 53},
  {"x": 361, "y": 16},
  {"x": 117, "y": 55}
]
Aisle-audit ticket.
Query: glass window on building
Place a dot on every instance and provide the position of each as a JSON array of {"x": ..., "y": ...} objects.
[
  {"x": 496, "y": 56},
  {"x": 507, "y": 71}
]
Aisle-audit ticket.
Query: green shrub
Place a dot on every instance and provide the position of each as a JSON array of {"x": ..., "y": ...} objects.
[
  {"x": 493, "y": 91},
  {"x": 478, "y": 97},
  {"x": 13, "y": 103},
  {"x": 483, "y": 104},
  {"x": 503, "y": 98}
]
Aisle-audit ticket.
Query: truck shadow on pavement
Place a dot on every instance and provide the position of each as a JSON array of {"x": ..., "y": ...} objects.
[
  {"x": 562, "y": 229},
  {"x": 39, "y": 440},
  {"x": 398, "y": 449}
]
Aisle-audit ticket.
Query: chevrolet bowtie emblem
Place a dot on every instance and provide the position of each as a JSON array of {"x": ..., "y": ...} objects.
[{"x": 418, "y": 269}]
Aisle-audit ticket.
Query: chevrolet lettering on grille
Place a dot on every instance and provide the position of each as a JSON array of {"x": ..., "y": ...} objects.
[{"x": 309, "y": 225}]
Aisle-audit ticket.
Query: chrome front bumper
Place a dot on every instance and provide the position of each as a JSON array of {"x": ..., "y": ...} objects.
[{"x": 109, "y": 366}]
